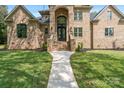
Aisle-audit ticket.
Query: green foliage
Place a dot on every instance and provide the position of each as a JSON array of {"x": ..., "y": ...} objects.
[
  {"x": 44, "y": 46},
  {"x": 3, "y": 11},
  {"x": 99, "y": 68},
  {"x": 3, "y": 14},
  {"x": 24, "y": 69},
  {"x": 80, "y": 46},
  {"x": 3, "y": 33}
]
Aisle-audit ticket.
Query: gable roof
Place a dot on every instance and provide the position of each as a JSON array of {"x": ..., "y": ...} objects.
[
  {"x": 113, "y": 6},
  {"x": 24, "y": 8}
]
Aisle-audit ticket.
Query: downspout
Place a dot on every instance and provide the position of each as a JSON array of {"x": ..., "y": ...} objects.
[{"x": 91, "y": 25}]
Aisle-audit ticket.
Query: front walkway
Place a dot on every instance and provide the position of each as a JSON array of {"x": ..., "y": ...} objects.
[{"x": 61, "y": 75}]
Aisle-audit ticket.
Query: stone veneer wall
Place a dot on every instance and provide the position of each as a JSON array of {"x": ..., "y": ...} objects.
[
  {"x": 35, "y": 35},
  {"x": 34, "y": 38},
  {"x": 84, "y": 23}
]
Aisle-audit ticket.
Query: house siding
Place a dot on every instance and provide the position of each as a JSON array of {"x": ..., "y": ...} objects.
[
  {"x": 85, "y": 24},
  {"x": 71, "y": 24},
  {"x": 93, "y": 31},
  {"x": 34, "y": 38},
  {"x": 100, "y": 41}
]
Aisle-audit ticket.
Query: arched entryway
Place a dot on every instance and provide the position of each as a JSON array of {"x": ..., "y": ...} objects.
[
  {"x": 61, "y": 28},
  {"x": 61, "y": 24}
]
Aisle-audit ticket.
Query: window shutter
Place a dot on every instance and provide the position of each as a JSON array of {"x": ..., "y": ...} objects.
[
  {"x": 106, "y": 31},
  {"x": 75, "y": 15},
  {"x": 80, "y": 32},
  {"x": 80, "y": 15},
  {"x": 111, "y": 32},
  {"x": 75, "y": 32}
]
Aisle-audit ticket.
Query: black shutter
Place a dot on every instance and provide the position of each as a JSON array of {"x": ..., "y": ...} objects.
[{"x": 106, "y": 31}]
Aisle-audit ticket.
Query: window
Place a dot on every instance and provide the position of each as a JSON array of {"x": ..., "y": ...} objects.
[
  {"x": 78, "y": 15},
  {"x": 21, "y": 30},
  {"x": 109, "y": 15},
  {"x": 78, "y": 32},
  {"x": 109, "y": 31},
  {"x": 46, "y": 30},
  {"x": 61, "y": 20}
]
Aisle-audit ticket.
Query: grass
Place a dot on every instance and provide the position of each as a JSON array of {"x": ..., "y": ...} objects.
[
  {"x": 24, "y": 69},
  {"x": 99, "y": 69}
]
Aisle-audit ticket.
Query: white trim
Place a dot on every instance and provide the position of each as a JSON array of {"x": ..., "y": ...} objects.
[
  {"x": 23, "y": 8},
  {"x": 118, "y": 10},
  {"x": 106, "y": 8},
  {"x": 11, "y": 12},
  {"x": 99, "y": 13}
]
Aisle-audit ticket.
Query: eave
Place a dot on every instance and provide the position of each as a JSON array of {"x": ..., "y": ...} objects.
[
  {"x": 121, "y": 20},
  {"x": 45, "y": 12},
  {"x": 113, "y": 6},
  {"x": 9, "y": 20},
  {"x": 83, "y": 6},
  {"x": 95, "y": 21}
]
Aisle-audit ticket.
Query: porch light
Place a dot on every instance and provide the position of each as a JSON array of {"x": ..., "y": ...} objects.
[{"x": 51, "y": 28}]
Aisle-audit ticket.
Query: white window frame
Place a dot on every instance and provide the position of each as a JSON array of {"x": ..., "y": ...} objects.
[
  {"x": 109, "y": 15},
  {"x": 77, "y": 32},
  {"x": 78, "y": 15},
  {"x": 110, "y": 31}
]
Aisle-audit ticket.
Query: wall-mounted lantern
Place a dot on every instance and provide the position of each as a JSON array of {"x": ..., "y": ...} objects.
[{"x": 51, "y": 28}]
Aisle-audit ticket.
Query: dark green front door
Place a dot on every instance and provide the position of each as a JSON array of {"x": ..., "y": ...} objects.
[
  {"x": 61, "y": 28},
  {"x": 61, "y": 33}
]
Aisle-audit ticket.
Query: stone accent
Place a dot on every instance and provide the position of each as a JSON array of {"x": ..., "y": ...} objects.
[
  {"x": 68, "y": 11},
  {"x": 34, "y": 38},
  {"x": 93, "y": 32},
  {"x": 57, "y": 45}
]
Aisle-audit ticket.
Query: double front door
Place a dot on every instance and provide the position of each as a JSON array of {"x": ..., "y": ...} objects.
[
  {"x": 61, "y": 33},
  {"x": 61, "y": 28}
]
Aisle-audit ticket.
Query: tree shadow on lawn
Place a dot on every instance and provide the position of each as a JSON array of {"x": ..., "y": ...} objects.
[
  {"x": 24, "y": 69},
  {"x": 98, "y": 70},
  {"x": 16, "y": 78}
]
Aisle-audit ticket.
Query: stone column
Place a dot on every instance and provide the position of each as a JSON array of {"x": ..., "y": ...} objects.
[{"x": 70, "y": 20}]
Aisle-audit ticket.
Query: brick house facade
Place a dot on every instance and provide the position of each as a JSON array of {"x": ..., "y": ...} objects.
[
  {"x": 64, "y": 27},
  {"x": 111, "y": 20}
]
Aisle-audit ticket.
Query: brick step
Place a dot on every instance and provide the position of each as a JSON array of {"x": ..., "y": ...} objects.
[{"x": 59, "y": 45}]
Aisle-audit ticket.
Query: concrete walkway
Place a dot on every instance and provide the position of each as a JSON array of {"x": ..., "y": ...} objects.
[{"x": 61, "y": 75}]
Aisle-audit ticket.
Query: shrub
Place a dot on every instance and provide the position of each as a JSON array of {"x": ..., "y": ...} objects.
[
  {"x": 44, "y": 46},
  {"x": 79, "y": 47},
  {"x": 3, "y": 34}
]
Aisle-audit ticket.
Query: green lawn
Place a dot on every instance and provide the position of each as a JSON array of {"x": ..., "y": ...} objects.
[
  {"x": 99, "y": 68},
  {"x": 24, "y": 69}
]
